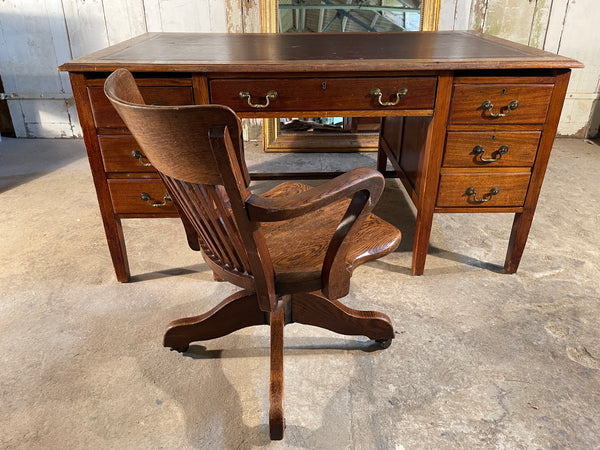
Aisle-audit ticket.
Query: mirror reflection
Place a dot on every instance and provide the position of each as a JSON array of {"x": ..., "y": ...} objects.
[
  {"x": 335, "y": 16},
  {"x": 321, "y": 16}
]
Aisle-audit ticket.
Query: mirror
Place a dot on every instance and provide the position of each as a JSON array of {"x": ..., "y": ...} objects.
[{"x": 337, "y": 133}]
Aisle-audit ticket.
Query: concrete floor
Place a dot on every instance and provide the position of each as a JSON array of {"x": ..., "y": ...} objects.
[{"x": 481, "y": 360}]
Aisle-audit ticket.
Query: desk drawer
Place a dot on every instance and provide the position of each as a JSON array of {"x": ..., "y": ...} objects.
[
  {"x": 117, "y": 155},
  {"x": 105, "y": 115},
  {"x": 126, "y": 199},
  {"x": 478, "y": 148},
  {"x": 505, "y": 103},
  {"x": 454, "y": 189},
  {"x": 324, "y": 94}
]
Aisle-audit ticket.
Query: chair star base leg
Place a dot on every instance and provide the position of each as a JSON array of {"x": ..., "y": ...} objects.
[
  {"x": 313, "y": 309},
  {"x": 237, "y": 311}
]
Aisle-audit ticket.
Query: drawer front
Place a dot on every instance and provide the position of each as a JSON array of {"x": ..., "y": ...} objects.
[
  {"x": 454, "y": 189},
  {"x": 126, "y": 199},
  {"x": 122, "y": 154},
  {"x": 105, "y": 115},
  {"x": 491, "y": 149},
  {"x": 324, "y": 94},
  {"x": 468, "y": 103}
]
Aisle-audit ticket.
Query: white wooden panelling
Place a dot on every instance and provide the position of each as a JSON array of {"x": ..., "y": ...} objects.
[
  {"x": 34, "y": 43},
  {"x": 462, "y": 13},
  {"x": 124, "y": 19},
  {"x": 539, "y": 23},
  {"x": 152, "y": 15},
  {"x": 251, "y": 16},
  {"x": 510, "y": 19},
  {"x": 567, "y": 27},
  {"x": 36, "y": 36},
  {"x": 184, "y": 15},
  {"x": 580, "y": 39},
  {"x": 233, "y": 13},
  {"x": 218, "y": 16},
  {"x": 85, "y": 24},
  {"x": 447, "y": 11},
  {"x": 454, "y": 15}
]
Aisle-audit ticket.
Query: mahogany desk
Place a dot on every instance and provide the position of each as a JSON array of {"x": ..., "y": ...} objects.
[{"x": 468, "y": 119}]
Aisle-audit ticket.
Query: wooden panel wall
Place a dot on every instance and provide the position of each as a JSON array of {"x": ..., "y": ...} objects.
[
  {"x": 39, "y": 35},
  {"x": 567, "y": 27}
]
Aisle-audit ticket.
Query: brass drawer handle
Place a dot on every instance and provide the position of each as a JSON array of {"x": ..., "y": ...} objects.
[
  {"x": 486, "y": 198},
  {"x": 271, "y": 95},
  {"x": 479, "y": 150},
  {"x": 138, "y": 155},
  {"x": 400, "y": 94},
  {"x": 146, "y": 197},
  {"x": 488, "y": 105}
]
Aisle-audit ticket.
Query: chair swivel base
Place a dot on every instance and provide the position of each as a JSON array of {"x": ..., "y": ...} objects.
[{"x": 241, "y": 310}]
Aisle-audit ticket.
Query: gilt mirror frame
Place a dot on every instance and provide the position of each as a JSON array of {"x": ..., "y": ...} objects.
[{"x": 430, "y": 15}]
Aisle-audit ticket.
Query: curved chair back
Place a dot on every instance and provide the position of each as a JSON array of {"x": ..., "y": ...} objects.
[{"x": 198, "y": 152}]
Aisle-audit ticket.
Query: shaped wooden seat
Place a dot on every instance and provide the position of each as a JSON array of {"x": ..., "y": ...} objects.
[{"x": 292, "y": 249}]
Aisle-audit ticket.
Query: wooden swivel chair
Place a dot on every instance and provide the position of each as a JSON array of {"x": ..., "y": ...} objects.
[{"x": 292, "y": 249}]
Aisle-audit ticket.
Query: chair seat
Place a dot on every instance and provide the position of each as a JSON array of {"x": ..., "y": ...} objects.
[{"x": 298, "y": 246}]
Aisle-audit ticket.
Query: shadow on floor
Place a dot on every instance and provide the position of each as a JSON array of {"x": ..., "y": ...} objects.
[{"x": 21, "y": 160}]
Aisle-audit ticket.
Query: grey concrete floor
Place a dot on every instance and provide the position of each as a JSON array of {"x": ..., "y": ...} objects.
[{"x": 481, "y": 359}]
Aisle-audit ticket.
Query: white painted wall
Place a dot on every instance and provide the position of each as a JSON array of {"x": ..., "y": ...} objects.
[
  {"x": 36, "y": 36},
  {"x": 567, "y": 27}
]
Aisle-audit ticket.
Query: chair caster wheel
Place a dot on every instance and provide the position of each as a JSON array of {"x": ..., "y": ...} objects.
[
  {"x": 180, "y": 349},
  {"x": 383, "y": 343}
]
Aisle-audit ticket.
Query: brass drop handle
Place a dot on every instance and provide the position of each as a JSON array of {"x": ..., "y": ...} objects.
[
  {"x": 146, "y": 197},
  {"x": 479, "y": 150},
  {"x": 138, "y": 155},
  {"x": 486, "y": 198},
  {"x": 488, "y": 105},
  {"x": 271, "y": 95},
  {"x": 400, "y": 94}
]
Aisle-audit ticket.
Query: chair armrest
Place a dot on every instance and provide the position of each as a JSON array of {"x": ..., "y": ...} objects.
[
  {"x": 363, "y": 185},
  {"x": 264, "y": 209}
]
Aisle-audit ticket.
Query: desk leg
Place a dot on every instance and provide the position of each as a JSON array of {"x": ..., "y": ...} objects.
[
  {"x": 415, "y": 146},
  {"x": 522, "y": 222},
  {"x": 381, "y": 158},
  {"x": 116, "y": 246},
  {"x": 418, "y": 151},
  {"x": 112, "y": 225},
  {"x": 430, "y": 163},
  {"x": 421, "y": 242},
  {"x": 517, "y": 241}
]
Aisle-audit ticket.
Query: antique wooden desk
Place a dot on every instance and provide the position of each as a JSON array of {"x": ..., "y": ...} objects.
[{"x": 468, "y": 119}]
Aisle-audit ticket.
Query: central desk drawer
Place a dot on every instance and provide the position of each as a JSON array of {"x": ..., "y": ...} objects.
[
  {"x": 482, "y": 189},
  {"x": 324, "y": 94}
]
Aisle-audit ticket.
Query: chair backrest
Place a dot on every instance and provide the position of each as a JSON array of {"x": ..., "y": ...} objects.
[{"x": 198, "y": 151}]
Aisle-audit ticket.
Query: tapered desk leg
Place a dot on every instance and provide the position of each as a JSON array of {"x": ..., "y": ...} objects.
[
  {"x": 112, "y": 225},
  {"x": 381, "y": 159},
  {"x": 522, "y": 222},
  {"x": 517, "y": 241},
  {"x": 430, "y": 163},
  {"x": 421, "y": 242},
  {"x": 116, "y": 247}
]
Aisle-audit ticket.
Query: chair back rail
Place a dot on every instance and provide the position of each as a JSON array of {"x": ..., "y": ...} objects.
[{"x": 198, "y": 152}]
